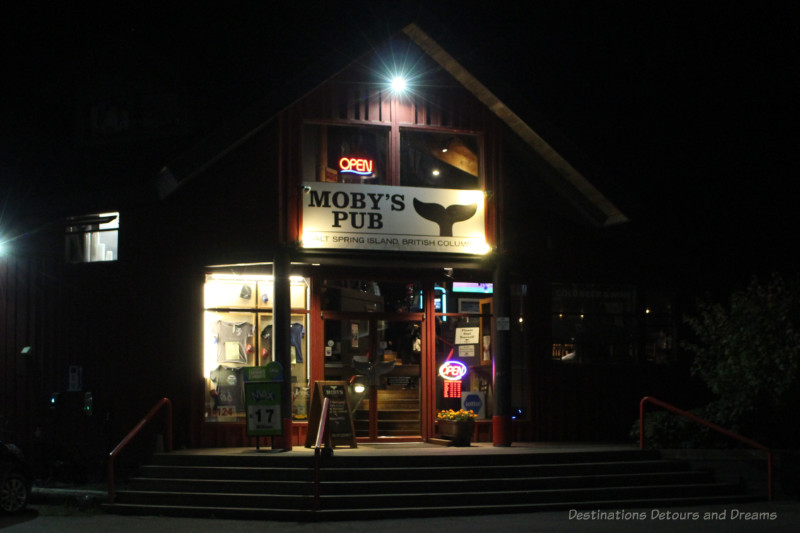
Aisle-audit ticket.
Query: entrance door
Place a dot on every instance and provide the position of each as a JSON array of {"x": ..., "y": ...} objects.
[{"x": 380, "y": 356}]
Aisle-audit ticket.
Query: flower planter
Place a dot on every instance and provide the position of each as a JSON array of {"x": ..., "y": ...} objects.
[{"x": 459, "y": 432}]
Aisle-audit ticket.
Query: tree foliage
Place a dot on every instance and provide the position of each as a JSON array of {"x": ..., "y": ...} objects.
[{"x": 747, "y": 351}]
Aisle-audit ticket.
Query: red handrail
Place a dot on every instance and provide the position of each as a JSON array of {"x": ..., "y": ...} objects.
[
  {"x": 323, "y": 420},
  {"x": 708, "y": 424},
  {"x": 135, "y": 431}
]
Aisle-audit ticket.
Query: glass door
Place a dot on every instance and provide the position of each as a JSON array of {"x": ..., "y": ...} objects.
[
  {"x": 379, "y": 357},
  {"x": 372, "y": 336}
]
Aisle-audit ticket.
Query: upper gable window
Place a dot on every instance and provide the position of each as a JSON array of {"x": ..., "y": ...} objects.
[
  {"x": 92, "y": 238},
  {"x": 345, "y": 154},
  {"x": 362, "y": 154},
  {"x": 439, "y": 160}
]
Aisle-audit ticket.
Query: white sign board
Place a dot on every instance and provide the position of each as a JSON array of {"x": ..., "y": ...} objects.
[
  {"x": 379, "y": 217},
  {"x": 474, "y": 401},
  {"x": 470, "y": 335}
]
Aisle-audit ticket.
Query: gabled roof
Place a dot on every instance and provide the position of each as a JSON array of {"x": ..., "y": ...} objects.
[{"x": 572, "y": 183}]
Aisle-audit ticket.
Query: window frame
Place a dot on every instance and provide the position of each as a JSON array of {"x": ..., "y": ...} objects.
[
  {"x": 87, "y": 226},
  {"x": 393, "y": 148}
]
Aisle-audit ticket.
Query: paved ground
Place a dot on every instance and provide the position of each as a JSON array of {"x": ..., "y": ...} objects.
[{"x": 782, "y": 517}]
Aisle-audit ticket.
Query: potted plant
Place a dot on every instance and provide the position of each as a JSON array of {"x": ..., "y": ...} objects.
[{"x": 457, "y": 426}]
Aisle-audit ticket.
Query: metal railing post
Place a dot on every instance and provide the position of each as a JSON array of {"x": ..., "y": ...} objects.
[
  {"x": 163, "y": 402},
  {"x": 318, "y": 450},
  {"x": 708, "y": 424}
]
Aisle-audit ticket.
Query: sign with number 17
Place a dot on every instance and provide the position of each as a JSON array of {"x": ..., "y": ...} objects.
[{"x": 263, "y": 409}]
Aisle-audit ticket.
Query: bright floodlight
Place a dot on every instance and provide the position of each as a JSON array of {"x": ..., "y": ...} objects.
[{"x": 398, "y": 84}]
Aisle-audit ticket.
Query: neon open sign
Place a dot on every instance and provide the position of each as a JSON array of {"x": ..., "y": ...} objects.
[
  {"x": 356, "y": 165},
  {"x": 453, "y": 370}
]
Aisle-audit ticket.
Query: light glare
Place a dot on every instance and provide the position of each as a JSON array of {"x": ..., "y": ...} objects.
[{"x": 398, "y": 84}]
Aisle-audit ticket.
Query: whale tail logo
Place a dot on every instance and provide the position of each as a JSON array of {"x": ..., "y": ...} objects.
[{"x": 445, "y": 217}]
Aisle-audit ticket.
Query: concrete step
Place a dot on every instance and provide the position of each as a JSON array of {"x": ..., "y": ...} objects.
[
  {"x": 383, "y": 486},
  {"x": 377, "y": 513}
]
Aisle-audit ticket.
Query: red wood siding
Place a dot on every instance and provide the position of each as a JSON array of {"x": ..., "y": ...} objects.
[{"x": 30, "y": 300}]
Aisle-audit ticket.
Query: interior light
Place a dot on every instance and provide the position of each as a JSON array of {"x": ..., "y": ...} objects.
[
  {"x": 398, "y": 84},
  {"x": 436, "y": 172}
]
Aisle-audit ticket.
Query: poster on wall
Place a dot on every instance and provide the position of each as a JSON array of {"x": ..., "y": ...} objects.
[{"x": 379, "y": 217}]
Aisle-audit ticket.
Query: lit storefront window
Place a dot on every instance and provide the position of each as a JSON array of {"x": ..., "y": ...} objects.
[{"x": 238, "y": 333}]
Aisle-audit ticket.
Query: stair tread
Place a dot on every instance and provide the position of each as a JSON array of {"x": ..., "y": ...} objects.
[
  {"x": 647, "y": 475},
  {"x": 439, "y": 494},
  {"x": 417, "y": 485},
  {"x": 451, "y": 509}
]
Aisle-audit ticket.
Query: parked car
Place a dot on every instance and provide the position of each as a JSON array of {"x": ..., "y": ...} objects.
[{"x": 15, "y": 479}]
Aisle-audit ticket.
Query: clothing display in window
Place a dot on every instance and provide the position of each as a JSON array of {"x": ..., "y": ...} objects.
[
  {"x": 229, "y": 387},
  {"x": 297, "y": 333},
  {"x": 266, "y": 344},
  {"x": 231, "y": 339}
]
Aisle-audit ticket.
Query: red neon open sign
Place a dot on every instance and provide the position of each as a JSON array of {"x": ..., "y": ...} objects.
[
  {"x": 356, "y": 165},
  {"x": 453, "y": 370}
]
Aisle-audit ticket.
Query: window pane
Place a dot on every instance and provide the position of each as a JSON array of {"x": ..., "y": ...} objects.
[
  {"x": 344, "y": 154},
  {"x": 371, "y": 296},
  {"x": 91, "y": 238},
  {"x": 594, "y": 323},
  {"x": 439, "y": 160}
]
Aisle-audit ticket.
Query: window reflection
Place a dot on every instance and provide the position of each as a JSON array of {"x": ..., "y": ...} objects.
[
  {"x": 344, "y": 154},
  {"x": 440, "y": 160}
]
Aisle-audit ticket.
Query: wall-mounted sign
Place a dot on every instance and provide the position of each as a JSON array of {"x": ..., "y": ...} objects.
[
  {"x": 468, "y": 335},
  {"x": 379, "y": 217},
  {"x": 453, "y": 370},
  {"x": 466, "y": 350},
  {"x": 353, "y": 165}
]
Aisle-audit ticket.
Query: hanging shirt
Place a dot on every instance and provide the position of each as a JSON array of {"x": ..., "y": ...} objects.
[
  {"x": 297, "y": 334},
  {"x": 229, "y": 386},
  {"x": 231, "y": 340}
]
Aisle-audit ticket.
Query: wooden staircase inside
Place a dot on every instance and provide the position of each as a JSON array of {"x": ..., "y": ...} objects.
[
  {"x": 398, "y": 414},
  {"x": 274, "y": 486}
]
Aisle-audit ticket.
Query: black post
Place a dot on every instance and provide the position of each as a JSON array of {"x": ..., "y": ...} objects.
[
  {"x": 281, "y": 324},
  {"x": 501, "y": 342}
]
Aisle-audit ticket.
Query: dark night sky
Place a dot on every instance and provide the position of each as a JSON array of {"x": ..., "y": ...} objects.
[{"x": 688, "y": 112}]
